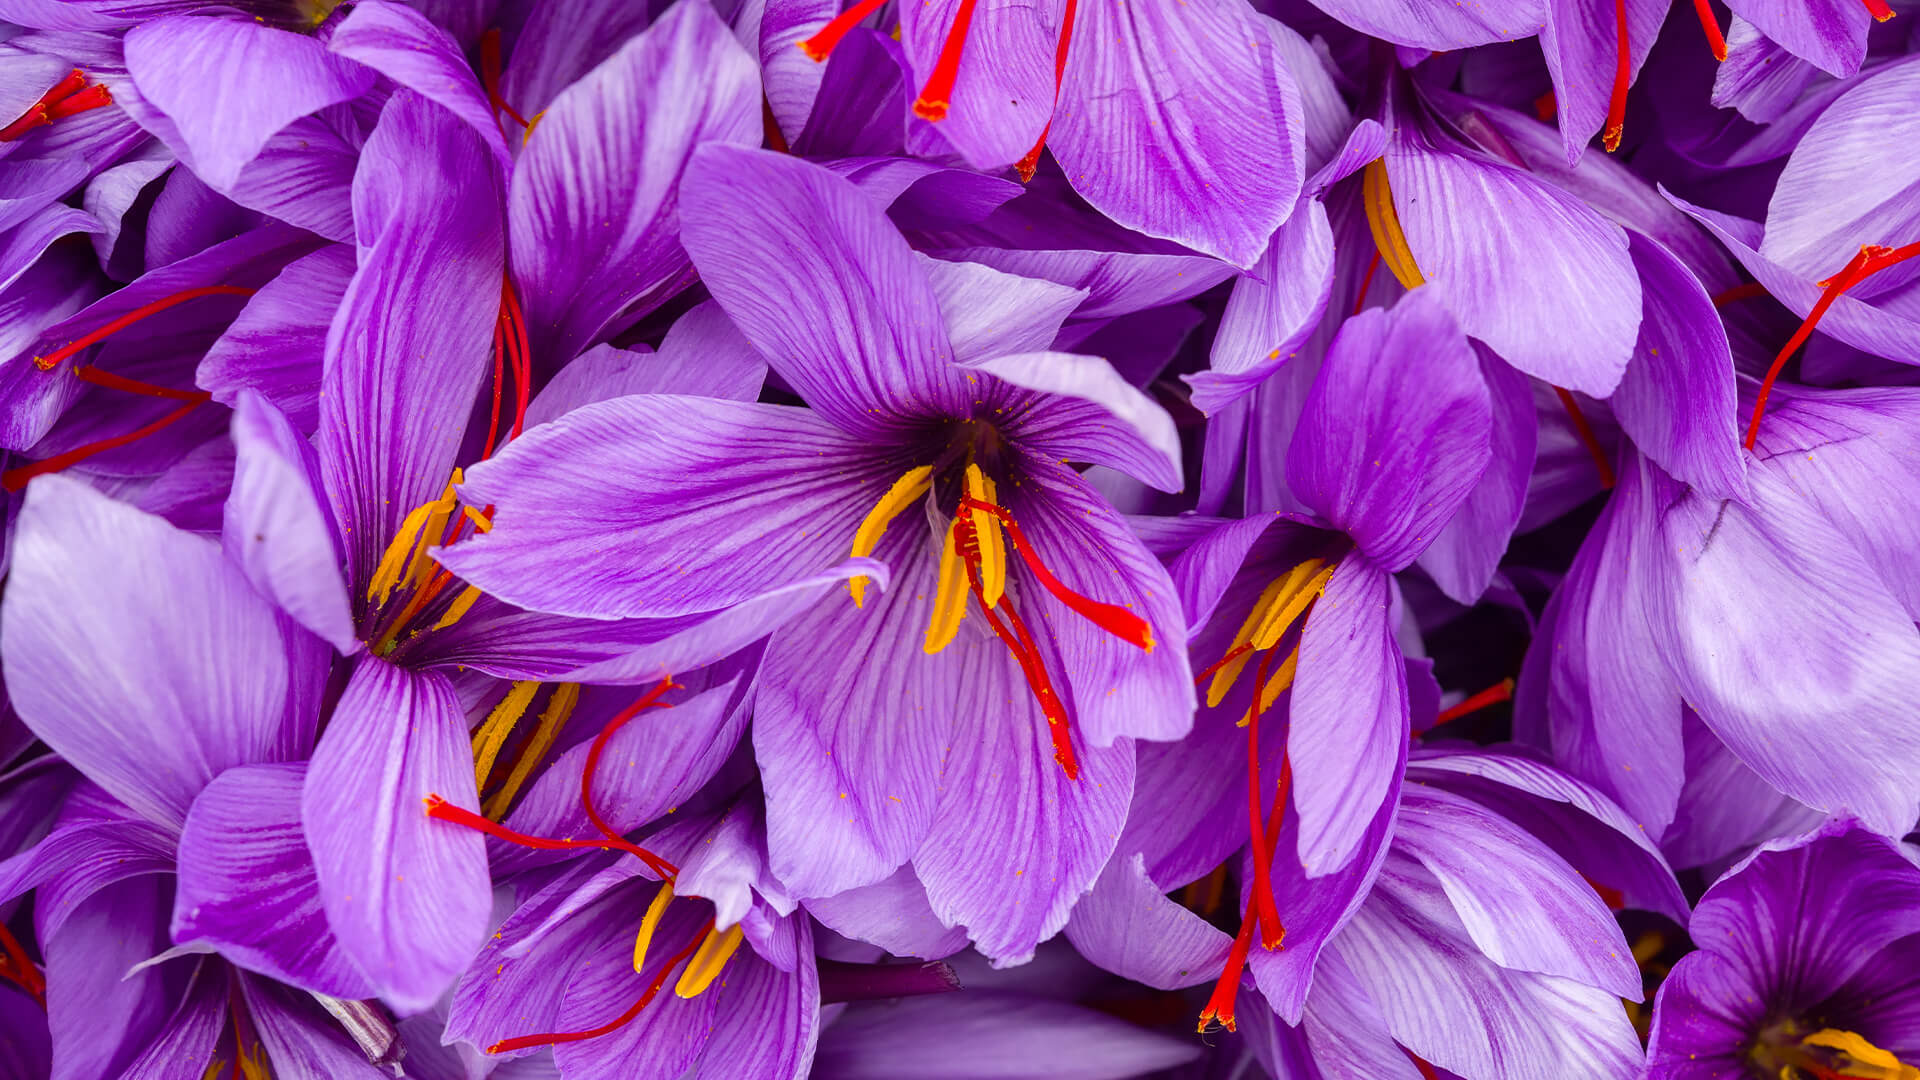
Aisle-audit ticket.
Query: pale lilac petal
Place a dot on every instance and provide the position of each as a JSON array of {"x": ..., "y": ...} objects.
[
  {"x": 1082, "y": 410},
  {"x": 1829, "y": 34},
  {"x": 766, "y": 1022},
  {"x": 990, "y": 313},
  {"x": 302, "y": 1041},
  {"x": 1582, "y": 50},
  {"x": 101, "y": 1015},
  {"x": 277, "y": 344},
  {"x": 1440, "y": 24},
  {"x": 892, "y": 913},
  {"x": 137, "y": 652},
  {"x": 988, "y": 1035},
  {"x": 400, "y": 43},
  {"x": 1465, "y": 555},
  {"x": 185, "y": 1043},
  {"x": 1127, "y": 926},
  {"x": 1273, "y": 310},
  {"x": 406, "y": 894}
]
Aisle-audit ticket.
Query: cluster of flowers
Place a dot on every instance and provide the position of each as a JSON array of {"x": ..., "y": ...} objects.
[{"x": 742, "y": 539}]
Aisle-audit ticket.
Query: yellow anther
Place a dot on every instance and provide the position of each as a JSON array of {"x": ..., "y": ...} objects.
[
  {"x": 253, "y": 1066},
  {"x": 714, "y": 952},
  {"x": 949, "y": 596},
  {"x": 215, "y": 1069},
  {"x": 499, "y": 724},
  {"x": 901, "y": 495},
  {"x": 656, "y": 910},
  {"x": 405, "y": 559},
  {"x": 559, "y": 708},
  {"x": 459, "y": 608},
  {"x": 1859, "y": 1059},
  {"x": 1299, "y": 595},
  {"x": 1277, "y": 683},
  {"x": 1256, "y": 631},
  {"x": 1391, "y": 241},
  {"x": 993, "y": 546},
  {"x": 481, "y": 522}
]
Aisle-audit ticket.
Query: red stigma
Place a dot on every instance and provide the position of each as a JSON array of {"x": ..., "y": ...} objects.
[
  {"x": 70, "y": 96},
  {"x": 1545, "y": 107},
  {"x": 1013, "y": 634},
  {"x": 440, "y": 808},
  {"x": 1271, "y": 931},
  {"x": 524, "y": 1042},
  {"x": 937, "y": 94},
  {"x": 1029, "y": 164},
  {"x": 1871, "y": 260},
  {"x": 1622, "y": 76},
  {"x": 1366, "y": 280},
  {"x": 16, "y": 478},
  {"x": 1587, "y": 438},
  {"x": 53, "y": 359},
  {"x": 1492, "y": 695},
  {"x": 512, "y": 355},
  {"x": 1739, "y": 292},
  {"x": 1879, "y": 10},
  {"x": 1710, "y": 25},
  {"x": 1114, "y": 619},
  {"x": 1226, "y": 991},
  {"x": 490, "y": 68},
  {"x": 16, "y": 968},
  {"x": 821, "y": 45}
]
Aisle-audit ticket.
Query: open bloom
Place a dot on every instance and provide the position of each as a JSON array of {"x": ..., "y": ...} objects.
[
  {"x": 1805, "y": 969},
  {"x": 994, "y": 750}
]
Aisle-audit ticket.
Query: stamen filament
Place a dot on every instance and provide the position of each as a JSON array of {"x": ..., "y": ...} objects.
[
  {"x": 821, "y": 45},
  {"x": 650, "y": 922},
  {"x": 53, "y": 359},
  {"x": 1871, "y": 260},
  {"x": 1587, "y": 438},
  {"x": 1622, "y": 77},
  {"x": 559, "y": 707},
  {"x": 980, "y": 501},
  {"x": 492, "y": 734},
  {"x": 936, "y": 96},
  {"x": 523, "y": 1042}
]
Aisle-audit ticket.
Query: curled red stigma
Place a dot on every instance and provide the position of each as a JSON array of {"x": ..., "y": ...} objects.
[
  {"x": 649, "y": 700},
  {"x": 490, "y": 68},
  {"x": 443, "y": 810},
  {"x": 1710, "y": 25},
  {"x": 1587, "y": 438},
  {"x": 523, "y": 1042},
  {"x": 937, "y": 94},
  {"x": 1114, "y": 619},
  {"x": 70, "y": 96},
  {"x": 1013, "y": 634},
  {"x": 821, "y": 45},
  {"x": 1871, "y": 260},
  {"x": 1622, "y": 76}
]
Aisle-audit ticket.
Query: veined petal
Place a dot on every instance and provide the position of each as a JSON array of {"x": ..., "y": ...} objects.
[
  {"x": 1582, "y": 49},
  {"x": 1273, "y": 310},
  {"x": 1003, "y": 94},
  {"x": 1126, "y": 925},
  {"x": 992, "y": 1033},
  {"x": 1465, "y": 555},
  {"x": 277, "y": 344},
  {"x": 402, "y": 44},
  {"x": 1080, "y": 409},
  {"x": 1829, "y": 34},
  {"x": 1439, "y": 24}
]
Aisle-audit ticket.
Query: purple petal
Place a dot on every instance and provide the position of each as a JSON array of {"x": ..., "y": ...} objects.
[
  {"x": 406, "y": 895},
  {"x": 666, "y": 1040},
  {"x": 1348, "y": 734},
  {"x": 791, "y": 79},
  {"x": 593, "y": 210},
  {"x": 845, "y": 314},
  {"x": 1272, "y": 312},
  {"x": 400, "y": 43},
  {"x": 1003, "y": 93},
  {"x": 1082, "y": 410},
  {"x": 1829, "y": 34},
  {"x": 26, "y": 1048},
  {"x": 678, "y": 503},
  {"x": 301, "y": 1040},
  {"x": 987, "y": 1034},
  {"x": 1440, "y": 25},
  {"x": 247, "y": 883},
  {"x": 892, "y": 913},
  {"x": 1466, "y": 553},
  {"x": 96, "y": 843},
  {"x": 101, "y": 1013},
  {"x": 277, "y": 344},
  {"x": 137, "y": 652},
  {"x": 185, "y": 1044},
  {"x": 276, "y": 529},
  {"x": 1676, "y": 399},
  {"x": 1396, "y": 432},
  {"x": 411, "y": 342},
  {"x": 1182, "y": 123},
  {"x": 1542, "y": 278},
  {"x": 268, "y": 79},
  {"x": 766, "y": 1021},
  {"x": 989, "y": 313},
  {"x": 1582, "y": 50},
  {"x": 1127, "y": 926}
]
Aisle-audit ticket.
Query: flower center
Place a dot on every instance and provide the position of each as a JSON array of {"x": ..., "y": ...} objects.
[
  {"x": 973, "y": 561},
  {"x": 70, "y": 96},
  {"x": 1826, "y": 1054}
]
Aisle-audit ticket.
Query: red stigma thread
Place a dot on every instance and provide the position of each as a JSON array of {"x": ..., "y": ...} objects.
[
  {"x": 440, "y": 808},
  {"x": 490, "y": 68},
  {"x": 1879, "y": 10},
  {"x": 1546, "y": 107},
  {"x": 1871, "y": 260},
  {"x": 1114, "y": 619},
  {"x": 524, "y": 1042},
  {"x": 1268, "y": 912},
  {"x": 1013, "y": 634},
  {"x": 1710, "y": 25},
  {"x": 53, "y": 359},
  {"x": 16, "y": 968},
  {"x": 1366, "y": 280},
  {"x": 17, "y": 478},
  {"x": 1622, "y": 75},
  {"x": 519, "y": 352},
  {"x": 1739, "y": 292},
  {"x": 1492, "y": 695},
  {"x": 1226, "y": 991},
  {"x": 1587, "y": 438},
  {"x": 70, "y": 96},
  {"x": 937, "y": 94},
  {"x": 1029, "y": 164},
  {"x": 821, "y": 45}
]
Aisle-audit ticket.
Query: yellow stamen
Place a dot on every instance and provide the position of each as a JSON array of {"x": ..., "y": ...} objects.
[
  {"x": 949, "y": 596},
  {"x": 215, "y": 1069},
  {"x": 1273, "y": 603},
  {"x": 1377, "y": 195},
  {"x": 901, "y": 495},
  {"x": 459, "y": 608},
  {"x": 1860, "y": 1059},
  {"x": 405, "y": 559},
  {"x": 649, "y": 923},
  {"x": 499, "y": 724},
  {"x": 713, "y": 954},
  {"x": 559, "y": 708},
  {"x": 1285, "y": 614},
  {"x": 254, "y": 1065},
  {"x": 481, "y": 522},
  {"x": 993, "y": 546},
  {"x": 1277, "y": 683}
]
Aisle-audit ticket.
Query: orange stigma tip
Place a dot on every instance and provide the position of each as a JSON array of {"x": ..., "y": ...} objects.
[
  {"x": 1872, "y": 259},
  {"x": 1622, "y": 76},
  {"x": 821, "y": 45},
  {"x": 937, "y": 94},
  {"x": 70, "y": 96},
  {"x": 1710, "y": 26},
  {"x": 1880, "y": 11}
]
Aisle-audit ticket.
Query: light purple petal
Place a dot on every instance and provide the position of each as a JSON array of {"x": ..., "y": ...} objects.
[
  {"x": 593, "y": 211},
  {"x": 1127, "y": 926},
  {"x": 990, "y": 313},
  {"x": 137, "y": 652},
  {"x": 1465, "y": 555},
  {"x": 1273, "y": 310},
  {"x": 1829, "y": 34},
  {"x": 406, "y": 894},
  {"x": 1582, "y": 49},
  {"x": 247, "y": 885},
  {"x": 1003, "y": 95},
  {"x": 101, "y": 1015},
  {"x": 185, "y": 1044},
  {"x": 303, "y": 1042},
  {"x": 400, "y": 43},
  {"x": 1082, "y": 410},
  {"x": 277, "y": 344},
  {"x": 268, "y": 79},
  {"x": 1440, "y": 25},
  {"x": 1183, "y": 123},
  {"x": 665, "y": 1041},
  {"x": 1396, "y": 432},
  {"x": 892, "y": 913},
  {"x": 822, "y": 284},
  {"x": 96, "y": 843},
  {"x": 990, "y": 1035}
]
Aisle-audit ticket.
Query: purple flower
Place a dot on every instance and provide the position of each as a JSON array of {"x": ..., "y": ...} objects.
[
  {"x": 888, "y": 727},
  {"x": 1805, "y": 967}
]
